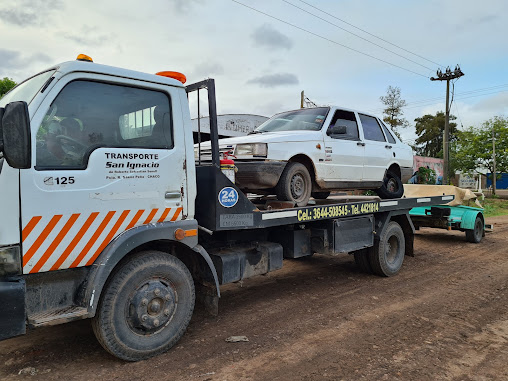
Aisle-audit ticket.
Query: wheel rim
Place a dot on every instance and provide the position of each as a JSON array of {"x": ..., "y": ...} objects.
[
  {"x": 297, "y": 187},
  {"x": 478, "y": 229},
  {"x": 151, "y": 307},
  {"x": 392, "y": 250},
  {"x": 392, "y": 185}
]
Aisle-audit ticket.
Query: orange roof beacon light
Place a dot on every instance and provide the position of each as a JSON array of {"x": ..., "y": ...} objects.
[
  {"x": 173, "y": 74},
  {"x": 84, "y": 57}
]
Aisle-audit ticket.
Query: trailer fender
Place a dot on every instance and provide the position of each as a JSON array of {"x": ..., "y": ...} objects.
[
  {"x": 133, "y": 239},
  {"x": 469, "y": 218}
]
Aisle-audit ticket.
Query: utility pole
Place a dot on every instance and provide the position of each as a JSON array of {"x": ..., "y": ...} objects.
[
  {"x": 494, "y": 174},
  {"x": 302, "y": 99},
  {"x": 447, "y": 76}
]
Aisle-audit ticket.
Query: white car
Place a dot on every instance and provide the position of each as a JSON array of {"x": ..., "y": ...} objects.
[{"x": 312, "y": 151}]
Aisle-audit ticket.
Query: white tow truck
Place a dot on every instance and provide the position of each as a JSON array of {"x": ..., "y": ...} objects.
[{"x": 106, "y": 215}]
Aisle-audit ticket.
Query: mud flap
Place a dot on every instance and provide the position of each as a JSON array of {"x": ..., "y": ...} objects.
[{"x": 12, "y": 314}]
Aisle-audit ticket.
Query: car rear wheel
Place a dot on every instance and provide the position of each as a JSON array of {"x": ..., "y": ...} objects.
[
  {"x": 295, "y": 184},
  {"x": 320, "y": 195},
  {"x": 392, "y": 186}
]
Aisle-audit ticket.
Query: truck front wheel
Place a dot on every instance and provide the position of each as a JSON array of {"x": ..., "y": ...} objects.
[
  {"x": 145, "y": 307},
  {"x": 387, "y": 255}
]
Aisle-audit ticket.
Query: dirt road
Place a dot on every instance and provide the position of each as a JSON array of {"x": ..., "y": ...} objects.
[{"x": 445, "y": 316}]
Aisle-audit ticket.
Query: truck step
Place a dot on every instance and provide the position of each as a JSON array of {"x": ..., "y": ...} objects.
[{"x": 59, "y": 316}]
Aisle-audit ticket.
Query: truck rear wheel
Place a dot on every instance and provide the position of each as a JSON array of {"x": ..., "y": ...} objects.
[
  {"x": 475, "y": 235},
  {"x": 295, "y": 184},
  {"x": 387, "y": 255},
  {"x": 146, "y": 307}
]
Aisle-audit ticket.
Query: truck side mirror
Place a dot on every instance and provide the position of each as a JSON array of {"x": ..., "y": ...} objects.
[
  {"x": 15, "y": 135},
  {"x": 337, "y": 130}
]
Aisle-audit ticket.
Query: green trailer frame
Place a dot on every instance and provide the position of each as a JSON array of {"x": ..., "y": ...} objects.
[{"x": 464, "y": 218}]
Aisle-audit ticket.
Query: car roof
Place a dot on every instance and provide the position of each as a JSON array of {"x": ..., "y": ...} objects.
[{"x": 333, "y": 109}]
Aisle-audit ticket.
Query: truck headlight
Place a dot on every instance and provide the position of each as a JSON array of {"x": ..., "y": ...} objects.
[
  {"x": 253, "y": 149},
  {"x": 10, "y": 260}
]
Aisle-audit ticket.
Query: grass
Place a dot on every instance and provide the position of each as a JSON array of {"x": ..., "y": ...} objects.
[{"x": 494, "y": 207}]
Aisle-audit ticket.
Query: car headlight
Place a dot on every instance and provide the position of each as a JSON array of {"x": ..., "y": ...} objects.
[
  {"x": 10, "y": 260},
  {"x": 252, "y": 149}
]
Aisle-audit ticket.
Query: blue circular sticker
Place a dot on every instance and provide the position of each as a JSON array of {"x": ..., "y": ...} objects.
[{"x": 228, "y": 197}]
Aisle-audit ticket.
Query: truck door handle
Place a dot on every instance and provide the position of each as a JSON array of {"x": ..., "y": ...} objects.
[
  {"x": 172, "y": 195},
  {"x": 360, "y": 144},
  {"x": 387, "y": 146}
]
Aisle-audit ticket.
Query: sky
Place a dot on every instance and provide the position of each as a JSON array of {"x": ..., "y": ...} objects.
[{"x": 261, "y": 63}]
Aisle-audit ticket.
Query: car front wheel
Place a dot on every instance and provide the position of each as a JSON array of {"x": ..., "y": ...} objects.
[
  {"x": 295, "y": 184},
  {"x": 392, "y": 186}
]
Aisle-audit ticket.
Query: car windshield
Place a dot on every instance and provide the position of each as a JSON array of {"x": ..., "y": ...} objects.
[
  {"x": 304, "y": 119},
  {"x": 26, "y": 90}
]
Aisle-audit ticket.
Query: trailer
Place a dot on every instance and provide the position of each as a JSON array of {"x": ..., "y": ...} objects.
[{"x": 107, "y": 216}]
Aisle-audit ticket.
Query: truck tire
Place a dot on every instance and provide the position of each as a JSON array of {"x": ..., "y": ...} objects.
[
  {"x": 475, "y": 235},
  {"x": 295, "y": 184},
  {"x": 387, "y": 255},
  {"x": 145, "y": 307},
  {"x": 362, "y": 260},
  {"x": 320, "y": 195},
  {"x": 392, "y": 186}
]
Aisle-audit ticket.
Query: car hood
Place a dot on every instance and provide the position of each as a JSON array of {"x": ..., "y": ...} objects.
[{"x": 271, "y": 137}]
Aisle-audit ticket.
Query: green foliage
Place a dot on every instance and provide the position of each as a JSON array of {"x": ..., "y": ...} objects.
[
  {"x": 5, "y": 85},
  {"x": 426, "y": 175},
  {"x": 474, "y": 147},
  {"x": 393, "y": 109},
  {"x": 430, "y": 129},
  {"x": 494, "y": 207}
]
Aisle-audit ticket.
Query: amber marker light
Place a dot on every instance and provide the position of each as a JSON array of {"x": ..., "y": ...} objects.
[
  {"x": 84, "y": 57},
  {"x": 173, "y": 74},
  {"x": 179, "y": 234}
]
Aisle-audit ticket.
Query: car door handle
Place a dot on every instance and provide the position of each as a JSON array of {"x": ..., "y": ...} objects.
[
  {"x": 387, "y": 146},
  {"x": 172, "y": 195},
  {"x": 360, "y": 144}
]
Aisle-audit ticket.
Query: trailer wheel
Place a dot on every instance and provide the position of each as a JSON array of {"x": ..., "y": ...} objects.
[
  {"x": 387, "y": 255},
  {"x": 146, "y": 307},
  {"x": 362, "y": 260},
  {"x": 295, "y": 184},
  {"x": 477, "y": 233}
]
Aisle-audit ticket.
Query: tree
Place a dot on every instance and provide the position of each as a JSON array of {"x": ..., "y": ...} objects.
[
  {"x": 429, "y": 129},
  {"x": 393, "y": 109},
  {"x": 5, "y": 85},
  {"x": 474, "y": 147}
]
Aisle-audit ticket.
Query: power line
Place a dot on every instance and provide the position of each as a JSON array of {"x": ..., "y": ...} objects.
[
  {"x": 329, "y": 40},
  {"x": 461, "y": 98},
  {"x": 371, "y": 34},
  {"x": 356, "y": 35}
]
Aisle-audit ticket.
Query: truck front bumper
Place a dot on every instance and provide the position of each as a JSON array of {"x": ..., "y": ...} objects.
[
  {"x": 12, "y": 312},
  {"x": 254, "y": 175}
]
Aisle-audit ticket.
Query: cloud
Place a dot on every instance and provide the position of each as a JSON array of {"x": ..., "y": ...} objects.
[
  {"x": 267, "y": 36},
  {"x": 207, "y": 69},
  {"x": 184, "y": 6},
  {"x": 88, "y": 36},
  {"x": 12, "y": 61},
  {"x": 28, "y": 12},
  {"x": 275, "y": 80},
  {"x": 496, "y": 103}
]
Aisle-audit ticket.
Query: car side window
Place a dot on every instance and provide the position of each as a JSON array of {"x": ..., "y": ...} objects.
[
  {"x": 343, "y": 126},
  {"x": 371, "y": 128},
  {"x": 388, "y": 133},
  {"x": 87, "y": 115}
]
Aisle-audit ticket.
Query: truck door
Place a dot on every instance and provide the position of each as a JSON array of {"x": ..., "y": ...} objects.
[
  {"x": 344, "y": 150},
  {"x": 108, "y": 156},
  {"x": 377, "y": 151}
]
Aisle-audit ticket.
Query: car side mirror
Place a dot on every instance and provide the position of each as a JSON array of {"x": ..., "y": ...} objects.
[
  {"x": 16, "y": 143},
  {"x": 337, "y": 130}
]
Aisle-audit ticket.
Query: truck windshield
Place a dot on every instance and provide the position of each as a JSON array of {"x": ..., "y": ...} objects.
[
  {"x": 27, "y": 90},
  {"x": 304, "y": 119}
]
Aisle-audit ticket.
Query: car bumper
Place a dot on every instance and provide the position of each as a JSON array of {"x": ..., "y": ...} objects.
[{"x": 253, "y": 175}]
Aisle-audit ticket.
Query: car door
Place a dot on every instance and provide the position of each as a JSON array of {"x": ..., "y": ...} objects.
[
  {"x": 108, "y": 157},
  {"x": 344, "y": 150},
  {"x": 377, "y": 150}
]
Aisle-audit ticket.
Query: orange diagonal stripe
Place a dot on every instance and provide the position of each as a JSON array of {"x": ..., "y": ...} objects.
[
  {"x": 135, "y": 219},
  {"x": 92, "y": 240},
  {"x": 164, "y": 214},
  {"x": 177, "y": 213},
  {"x": 150, "y": 216},
  {"x": 75, "y": 240},
  {"x": 109, "y": 237},
  {"x": 30, "y": 226},
  {"x": 40, "y": 239},
  {"x": 55, "y": 243}
]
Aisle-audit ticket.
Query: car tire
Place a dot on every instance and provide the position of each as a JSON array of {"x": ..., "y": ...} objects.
[
  {"x": 295, "y": 184},
  {"x": 475, "y": 235},
  {"x": 392, "y": 186},
  {"x": 145, "y": 307},
  {"x": 320, "y": 195},
  {"x": 387, "y": 255}
]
